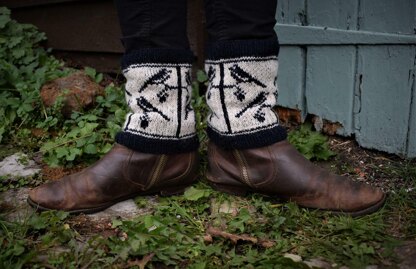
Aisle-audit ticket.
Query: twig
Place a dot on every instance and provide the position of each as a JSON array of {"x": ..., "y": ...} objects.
[{"x": 211, "y": 231}]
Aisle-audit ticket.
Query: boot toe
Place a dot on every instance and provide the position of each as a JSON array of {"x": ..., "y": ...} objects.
[
  {"x": 371, "y": 200},
  {"x": 46, "y": 197}
]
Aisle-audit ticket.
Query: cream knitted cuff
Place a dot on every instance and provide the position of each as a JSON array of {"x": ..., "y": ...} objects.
[
  {"x": 158, "y": 92},
  {"x": 242, "y": 93}
]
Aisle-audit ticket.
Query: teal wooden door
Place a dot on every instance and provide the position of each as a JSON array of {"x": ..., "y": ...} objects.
[{"x": 354, "y": 63}]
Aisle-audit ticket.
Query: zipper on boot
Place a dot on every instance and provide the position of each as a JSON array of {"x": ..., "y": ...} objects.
[
  {"x": 243, "y": 166},
  {"x": 158, "y": 171}
]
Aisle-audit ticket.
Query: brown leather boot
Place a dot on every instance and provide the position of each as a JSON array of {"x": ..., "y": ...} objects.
[
  {"x": 280, "y": 170},
  {"x": 121, "y": 174}
]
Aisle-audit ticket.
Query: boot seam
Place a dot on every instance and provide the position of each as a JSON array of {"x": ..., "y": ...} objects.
[
  {"x": 188, "y": 169},
  {"x": 212, "y": 152},
  {"x": 273, "y": 176}
]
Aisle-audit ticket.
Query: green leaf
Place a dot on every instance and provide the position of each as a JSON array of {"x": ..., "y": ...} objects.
[
  {"x": 99, "y": 78},
  {"x": 62, "y": 215},
  {"x": 37, "y": 222},
  {"x": 4, "y": 19},
  {"x": 4, "y": 11},
  {"x": 106, "y": 148},
  {"x": 115, "y": 223},
  {"x": 194, "y": 194},
  {"x": 18, "y": 250},
  {"x": 90, "y": 149},
  {"x": 73, "y": 153},
  {"x": 18, "y": 53},
  {"x": 61, "y": 152},
  {"x": 90, "y": 72},
  {"x": 201, "y": 76}
]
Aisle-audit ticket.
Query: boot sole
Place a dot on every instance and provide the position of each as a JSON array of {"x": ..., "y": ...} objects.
[
  {"x": 241, "y": 191},
  {"x": 166, "y": 192}
]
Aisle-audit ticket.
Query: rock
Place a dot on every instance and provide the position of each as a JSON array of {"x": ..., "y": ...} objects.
[
  {"x": 318, "y": 263},
  {"x": 229, "y": 207},
  {"x": 407, "y": 255},
  {"x": 81, "y": 92},
  {"x": 18, "y": 165},
  {"x": 226, "y": 207},
  {"x": 125, "y": 210},
  {"x": 293, "y": 257},
  {"x": 13, "y": 205}
]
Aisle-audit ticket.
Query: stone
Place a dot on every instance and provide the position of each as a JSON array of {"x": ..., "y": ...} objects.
[
  {"x": 124, "y": 210},
  {"x": 230, "y": 207},
  {"x": 18, "y": 165},
  {"x": 407, "y": 255},
  {"x": 78, "y": 89},
  {"x": 318, "y": 263},
  {"x": 13, "y": 205},
  {"x": 226, "y": 207},
  {"x": 293, "y": 257}
]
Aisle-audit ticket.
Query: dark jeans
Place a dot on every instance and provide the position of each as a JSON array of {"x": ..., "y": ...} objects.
[{"x": 162, "y": 23}]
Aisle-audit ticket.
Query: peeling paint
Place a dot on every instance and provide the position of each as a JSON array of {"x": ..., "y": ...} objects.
[
  {"x": 326, "y": 126},
  {"x": 289, "y": 115},
  {"x": 356, "y": 57}
]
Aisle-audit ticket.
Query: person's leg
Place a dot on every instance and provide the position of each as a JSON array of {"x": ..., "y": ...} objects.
[
  {"x": 248, "y": 150},
  {"x": 157, "y": 65},
  {"x": 156, "y": 151}
]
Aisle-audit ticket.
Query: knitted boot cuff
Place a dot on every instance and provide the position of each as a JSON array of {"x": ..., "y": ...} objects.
[
  {"x": 242, "y": 93},
  {"x": 158, "y": 92}
]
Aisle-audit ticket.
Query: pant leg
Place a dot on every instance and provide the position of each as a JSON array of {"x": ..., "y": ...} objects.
[
  {"x": 157, "y": 66},
  {"x": 240, "y": 19},
  {"x": 153, "y": 23}
]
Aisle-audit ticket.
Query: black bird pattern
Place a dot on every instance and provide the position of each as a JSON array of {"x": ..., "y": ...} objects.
[
  {"x": 147, "y": 107},
  {"x": 211, "y": 74},
  {"x": 258, "y": 101},
  {"x": 242, "y": 76},
  {"x": 159, "y": 78}
]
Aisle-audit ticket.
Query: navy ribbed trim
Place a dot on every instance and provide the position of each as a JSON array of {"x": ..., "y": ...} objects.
[
  {"x": 248, "y": 141},
  {"x": 157, "y": 146},
  {"x": 157, "y": 55},
  {"x": 238, "y": 48}
]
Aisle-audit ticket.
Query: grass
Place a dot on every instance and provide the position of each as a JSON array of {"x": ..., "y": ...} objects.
[{"x": 178, "y": 233}]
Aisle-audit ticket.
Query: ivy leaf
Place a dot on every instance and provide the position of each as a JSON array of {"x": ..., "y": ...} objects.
[
  {"x": 4, "y": 19},
  {"x": 37, "y": 222},
  {"x": 90, "y": 72},
  {"x": 99, "y": 78},
  {"x": 90, "y": 149},
  {"x": 201, "y": 76},
  {"x": 61, "y": 152},
  {"x": 194, "y": 194},
  {"x": 73, "y": 153}
]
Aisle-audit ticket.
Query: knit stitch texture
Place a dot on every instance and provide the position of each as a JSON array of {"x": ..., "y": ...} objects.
[
  {"x": 159, "y": 95},
  {"x": 242, "y": 93}
]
